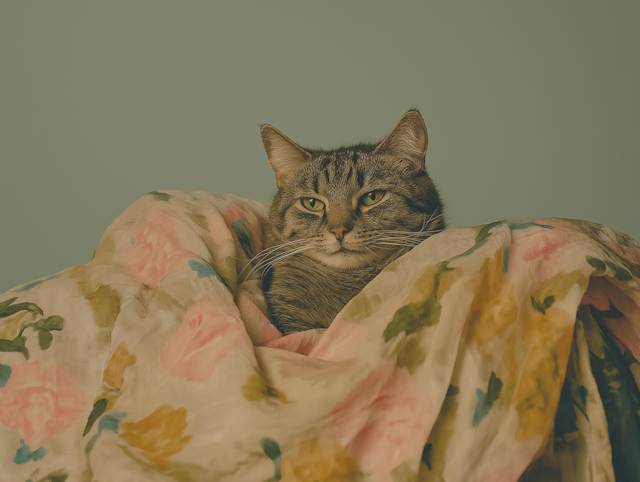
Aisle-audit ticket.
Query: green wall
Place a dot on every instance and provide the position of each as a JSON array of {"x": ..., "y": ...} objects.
[{"x": 533, "y": 109}]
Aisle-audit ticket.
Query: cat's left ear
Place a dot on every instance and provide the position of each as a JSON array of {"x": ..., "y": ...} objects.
[
  {"x": 285, "y": 156},
  {"x": 407, "y": 143}
]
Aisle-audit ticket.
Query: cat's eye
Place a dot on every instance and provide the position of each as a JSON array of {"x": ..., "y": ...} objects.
[
  {"x": 312, "y": 204},
  {"x": 373, "y": 197}
]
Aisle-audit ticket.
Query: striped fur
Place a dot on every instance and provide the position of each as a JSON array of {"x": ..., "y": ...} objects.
[{"x": 315, "y": 262}]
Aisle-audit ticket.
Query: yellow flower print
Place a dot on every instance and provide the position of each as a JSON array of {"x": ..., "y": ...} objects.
[
  {"x": 493, "y": 308},
  {"x": 319, "y": 462},
  {"x": 549, "y": 335},
  {"x": 256, "y": 389},
  {"x": 105, "y": 304},
  {"x": 159, "y": 435},
  {"x": 120, "y": 360}
]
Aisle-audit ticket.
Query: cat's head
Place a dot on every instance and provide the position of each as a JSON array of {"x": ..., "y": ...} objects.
[{"x": 353, "y": 206}]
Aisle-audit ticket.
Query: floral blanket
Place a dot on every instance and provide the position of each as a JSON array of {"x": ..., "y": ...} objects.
[{"x": 502, "y": 352}]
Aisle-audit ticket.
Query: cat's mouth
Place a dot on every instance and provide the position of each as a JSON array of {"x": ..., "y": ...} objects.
[
  {"x": 345, "y": 249},
  {"x": 344, "y": 257}
]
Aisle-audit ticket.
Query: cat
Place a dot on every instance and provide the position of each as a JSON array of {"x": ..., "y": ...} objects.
[{"x": 339, "y": 217}]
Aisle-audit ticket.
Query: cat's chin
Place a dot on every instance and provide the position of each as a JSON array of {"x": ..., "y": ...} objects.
[{"x": 344, "y": 259}]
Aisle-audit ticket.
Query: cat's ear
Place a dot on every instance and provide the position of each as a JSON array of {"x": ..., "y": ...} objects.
[
  {"x": 407, "y": 143},
  {"x": 285, "y": 156}
]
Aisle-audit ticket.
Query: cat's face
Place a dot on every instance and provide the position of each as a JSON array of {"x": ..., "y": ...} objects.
[{"x": 356, "y": 206}]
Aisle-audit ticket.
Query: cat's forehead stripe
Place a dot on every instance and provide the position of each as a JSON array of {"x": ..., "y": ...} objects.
[{"x": 349, "y": 174}]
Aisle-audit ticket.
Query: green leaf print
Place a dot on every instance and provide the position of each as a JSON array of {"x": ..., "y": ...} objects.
[
  {"x": 5, "y": 374},
  {"x": 25, "y": 454},
  {"x": 620, "y": 396},
  {"x": 581, "y": 402},
  {"x": 623, "y": 270},
  {"x": 410, "y": 354},
  {"x": 204, "y": 270},
  {"x": 596, "y": 263},
  {"x": 485, "y": 233},
  {"x": 33, "y": 284},
  {"x": 403, "y": 320},
  {"x": 619, "y": 272},
  {"x": 426, "y": 455},
  {"x": 244, "y": 236},
  {"x": 108, "y": 422},
  {"x": 544, "y": 306},
  {"x": 18, "y": 344},
  {"x": 8, "y": 309},
  {"x": 415, "y": 316},
  {"x": 159, "y": 196},
  {"x": 566, "y": 420},
  {"x": 272, "y": 450},
  {"x": 57, "y": 476},
  {"x": 98, "y": 409},
  {"x": 55, "y": 323},
  {"x": 43, "y": 327},
  {"x": 485, "y": 400},
  {"x": 44, "y": 339}
]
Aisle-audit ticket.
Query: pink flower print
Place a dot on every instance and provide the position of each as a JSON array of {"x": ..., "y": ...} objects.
[
  {"x": 340, "y": 342},
  {"x": 258, "y": 326},
  {"x": 206, "y": 337},
  {"x": 219, "y": 231},
  {"x": 302, "y": 342},
  {"x": 386, "y": 419},
  {"x": 41, "y": 402},
  {"x": 542, "y": 246},
  {"x": 630, "y": 253},
  {"x": 238, "y": 211},
  {"x": 156, "y": 252}
]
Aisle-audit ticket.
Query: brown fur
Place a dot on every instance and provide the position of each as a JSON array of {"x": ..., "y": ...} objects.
[{"x": 315, "y": 262}]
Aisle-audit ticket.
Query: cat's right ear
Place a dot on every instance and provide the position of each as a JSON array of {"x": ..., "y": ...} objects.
[
  {"x": 407, "y": 143},
  {"x": 285, "y": 156}
]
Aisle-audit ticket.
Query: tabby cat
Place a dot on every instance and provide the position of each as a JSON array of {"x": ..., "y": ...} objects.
[{"x": 339, "y": 217}]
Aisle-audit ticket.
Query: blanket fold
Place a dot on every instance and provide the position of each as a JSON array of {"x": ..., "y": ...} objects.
[{"x": 501, "y": 352}]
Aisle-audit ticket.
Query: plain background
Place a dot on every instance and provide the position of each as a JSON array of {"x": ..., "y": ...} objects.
[{"x": 533, "y": 109}]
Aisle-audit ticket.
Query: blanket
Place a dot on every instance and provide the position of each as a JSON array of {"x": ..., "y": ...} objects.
[{"x": 501, "y": 352}]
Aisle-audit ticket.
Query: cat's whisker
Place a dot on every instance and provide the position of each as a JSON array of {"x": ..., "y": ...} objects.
[
  {"x": 284, "y": 256},
  {"x": 275, "y": 256},
  {"x": 418, "y": 239},
  {"x": 361, "y": 251},
  {"x": 392, "y": 243},
  {"x": 268, "y": 251},
  {"x": 288, "y": 243},
  {"x": 412, "y": 234},
  {"x": 265, "y": 253},
  {"x": 427, "y": 222}
]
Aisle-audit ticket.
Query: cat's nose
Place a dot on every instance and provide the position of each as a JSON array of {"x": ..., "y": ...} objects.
[{"x": 339, "y": 232}]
